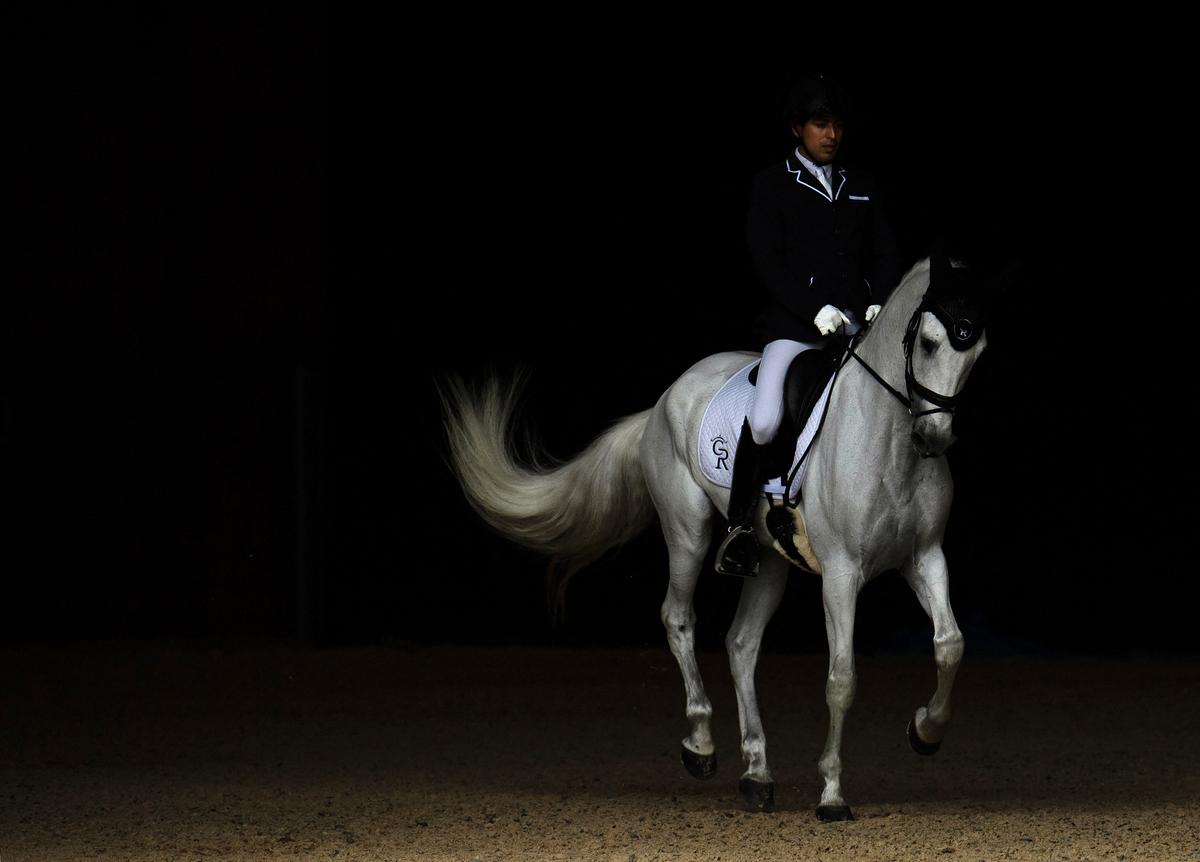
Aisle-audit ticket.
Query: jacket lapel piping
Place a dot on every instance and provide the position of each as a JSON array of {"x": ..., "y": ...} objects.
[
  {"x": 841, "y": 172},
  {"x": 801, "y": 172}
]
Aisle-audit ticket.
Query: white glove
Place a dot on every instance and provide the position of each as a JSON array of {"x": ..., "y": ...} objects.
[
  {"x": 872, "y": 312},
  {"x": 830, "y": 319}
]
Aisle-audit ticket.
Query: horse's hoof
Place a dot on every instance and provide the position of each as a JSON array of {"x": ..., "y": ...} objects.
[
  {"x": 758, "y": 795},
  {"x": 833, "y": 813},
  {"x": 698, "y": 765},
  {"x": 920, "y": 746}
]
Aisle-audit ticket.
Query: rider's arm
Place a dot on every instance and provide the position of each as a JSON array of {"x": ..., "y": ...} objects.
[{"x": 765, "y": 236}]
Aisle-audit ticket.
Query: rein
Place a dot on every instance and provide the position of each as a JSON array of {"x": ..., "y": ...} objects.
[{"x": 946, "y": 403}]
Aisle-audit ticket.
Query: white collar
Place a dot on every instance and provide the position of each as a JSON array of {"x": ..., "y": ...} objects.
[{"x": 814, "y": 168}]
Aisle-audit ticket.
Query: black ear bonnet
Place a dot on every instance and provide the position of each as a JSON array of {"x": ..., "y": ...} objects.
[{"x": 955, "y": 297}]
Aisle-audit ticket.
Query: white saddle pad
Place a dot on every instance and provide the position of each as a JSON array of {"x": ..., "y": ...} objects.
[{"x": 722, "y": 426}]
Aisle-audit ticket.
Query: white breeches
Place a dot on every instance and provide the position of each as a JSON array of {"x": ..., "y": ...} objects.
[{"x": 766, "y": 408}]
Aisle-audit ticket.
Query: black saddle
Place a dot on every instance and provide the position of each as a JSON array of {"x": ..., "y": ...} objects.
[{"x": 803, "y": 385}]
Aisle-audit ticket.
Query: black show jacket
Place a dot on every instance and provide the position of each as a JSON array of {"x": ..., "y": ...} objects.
[{"x": 812, "y": 250}]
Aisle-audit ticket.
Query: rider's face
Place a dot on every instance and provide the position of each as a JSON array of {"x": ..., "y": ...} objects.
[{"x": 819, "y": 138}]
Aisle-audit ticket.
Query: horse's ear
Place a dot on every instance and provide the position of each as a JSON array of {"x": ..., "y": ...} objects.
[{"x": 951, "y": 274}]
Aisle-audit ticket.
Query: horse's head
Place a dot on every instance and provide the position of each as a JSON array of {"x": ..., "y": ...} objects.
[{"x": 945, "y": 337}]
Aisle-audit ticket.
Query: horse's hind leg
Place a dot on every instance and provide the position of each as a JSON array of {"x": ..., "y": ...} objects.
[
  {"x": 686, "y": 516},
  {"x": 930, "y": 580},
  {"x": 760, "y": 598}
]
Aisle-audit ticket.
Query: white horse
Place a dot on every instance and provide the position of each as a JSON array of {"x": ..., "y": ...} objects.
[{"x": 876, "y": 496}]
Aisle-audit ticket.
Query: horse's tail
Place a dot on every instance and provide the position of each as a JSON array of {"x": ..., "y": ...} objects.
[{"x": 572, "y": 511}]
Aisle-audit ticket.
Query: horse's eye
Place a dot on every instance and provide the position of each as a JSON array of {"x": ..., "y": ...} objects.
[{"x": 928, "y": 345}]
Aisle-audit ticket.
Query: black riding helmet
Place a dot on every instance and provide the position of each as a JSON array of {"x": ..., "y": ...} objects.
[{"x": 817, "y": 96}]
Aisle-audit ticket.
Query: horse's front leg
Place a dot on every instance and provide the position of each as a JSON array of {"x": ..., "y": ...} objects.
[
  {"x": 839, "y": 591},
  {"x": 930, "y": 580},
  {"x": 760, "y": 598}
]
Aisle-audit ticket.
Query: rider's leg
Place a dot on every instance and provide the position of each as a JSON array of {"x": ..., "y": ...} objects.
[
  {"x": 738, "y": 554},
  {"x": 766, "y": 410}
]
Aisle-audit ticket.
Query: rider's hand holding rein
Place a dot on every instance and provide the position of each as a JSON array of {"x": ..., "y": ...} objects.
[
  {"x": 872, "y": 312},
  {"x": 829, "y": 320}
]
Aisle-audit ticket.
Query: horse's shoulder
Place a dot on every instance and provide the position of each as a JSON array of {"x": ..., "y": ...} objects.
[{"x": 935, "y": 491}]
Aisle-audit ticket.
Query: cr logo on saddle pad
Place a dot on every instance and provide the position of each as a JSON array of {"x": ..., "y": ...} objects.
[{"x": 720, "y": 447}]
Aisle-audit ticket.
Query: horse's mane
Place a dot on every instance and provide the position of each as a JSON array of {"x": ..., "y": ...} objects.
[
  {"x": 921, "y": 265},
  {"x": 910, "y": 282},
  {"x": 918, "y": 268}
]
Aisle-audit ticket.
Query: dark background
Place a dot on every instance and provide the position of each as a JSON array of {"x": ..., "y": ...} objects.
[{"x": 219, "y": 413}]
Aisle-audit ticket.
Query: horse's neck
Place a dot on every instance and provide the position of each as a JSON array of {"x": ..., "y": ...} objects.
[
  {"x": 883, "y": 346},
  {"x": 866, "y": 416}
]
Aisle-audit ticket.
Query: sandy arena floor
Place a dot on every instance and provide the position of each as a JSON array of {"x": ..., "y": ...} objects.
[{"x": 172, "y": 753}]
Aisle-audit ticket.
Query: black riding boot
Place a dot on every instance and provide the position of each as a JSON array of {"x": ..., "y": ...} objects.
[{"x": 738, "y": 554}]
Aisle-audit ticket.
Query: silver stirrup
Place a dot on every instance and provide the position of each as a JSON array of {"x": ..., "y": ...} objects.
[{"x": 734, "y": 532}]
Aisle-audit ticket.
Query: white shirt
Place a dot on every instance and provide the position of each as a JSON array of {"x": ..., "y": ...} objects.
[{"x": 824, "y": 173}]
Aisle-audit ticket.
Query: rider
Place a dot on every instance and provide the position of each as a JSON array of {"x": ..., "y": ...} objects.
[{"x": 820, "y": 242}]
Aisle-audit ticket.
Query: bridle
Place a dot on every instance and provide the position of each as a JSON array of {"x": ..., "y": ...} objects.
[{"x": 963, "y": 333}]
